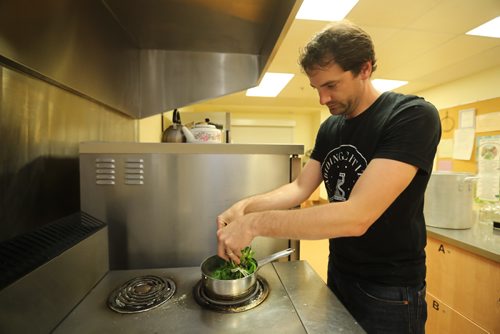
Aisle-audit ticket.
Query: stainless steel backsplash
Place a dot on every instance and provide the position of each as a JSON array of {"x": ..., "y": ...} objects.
[{"x": 41, "y": 126}]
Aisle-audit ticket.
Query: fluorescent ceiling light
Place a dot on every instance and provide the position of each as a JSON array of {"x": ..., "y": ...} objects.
[
  {"x": 325, "y": 10},
  {"x": 383, "y": 85},
  {"x": 271, "y": 84},
  {"x": 488, "y": 29}
]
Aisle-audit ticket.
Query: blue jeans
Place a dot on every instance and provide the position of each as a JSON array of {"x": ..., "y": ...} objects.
[{"x": 379, "y": 308}]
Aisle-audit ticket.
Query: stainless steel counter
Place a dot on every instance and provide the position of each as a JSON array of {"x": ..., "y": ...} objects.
[
  {"x": 480, "y": 239},
  {"x": 188, "y": 148},
  {"x": 298, "y": 302}
]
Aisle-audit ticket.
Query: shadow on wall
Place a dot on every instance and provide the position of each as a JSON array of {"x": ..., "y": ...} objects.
[{"x": 41, "y": 191}]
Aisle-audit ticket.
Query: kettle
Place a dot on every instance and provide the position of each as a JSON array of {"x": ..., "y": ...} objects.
[
  {"x": 203, "y": 132},
  {"x": 174, "y": 133}
]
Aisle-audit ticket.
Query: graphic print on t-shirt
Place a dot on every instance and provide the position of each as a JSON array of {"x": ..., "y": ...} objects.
[{"x": 341, "y": 169}]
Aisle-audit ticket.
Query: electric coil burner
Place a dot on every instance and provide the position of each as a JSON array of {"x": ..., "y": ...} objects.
[
  {"x": 247, "y": 302},
  {"x": 141, "y": 294}
]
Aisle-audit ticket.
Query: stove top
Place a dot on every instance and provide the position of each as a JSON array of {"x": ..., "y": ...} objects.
[
  {"x": 297, "y": 301},
  {"x": 141, "y": 294}
]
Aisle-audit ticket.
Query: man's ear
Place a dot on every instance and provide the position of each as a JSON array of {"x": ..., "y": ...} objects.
[{"x": 366, "y": 70}]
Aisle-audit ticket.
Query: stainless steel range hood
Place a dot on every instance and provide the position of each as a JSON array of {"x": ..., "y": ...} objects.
[{"x": 144, "y": 57}]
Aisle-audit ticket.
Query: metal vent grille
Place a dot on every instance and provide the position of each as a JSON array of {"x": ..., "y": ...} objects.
[
  {"x": 23, "y": 254},
  {"x": 134, "y": 171},
  {"x": 105, "y": 170}
]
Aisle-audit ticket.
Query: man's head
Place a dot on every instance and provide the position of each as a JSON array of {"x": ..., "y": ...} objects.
[
  {"x": 339, "y": 62},
  {"x": 342, "y": 43}
]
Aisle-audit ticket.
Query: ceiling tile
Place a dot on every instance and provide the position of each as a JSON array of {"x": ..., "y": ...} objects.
[{"x": 457, "y": 16}]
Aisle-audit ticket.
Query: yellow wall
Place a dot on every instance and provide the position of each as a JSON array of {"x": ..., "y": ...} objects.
[
  {"x": 150, "y": 129},
  {"x": 306, "y": 123}
]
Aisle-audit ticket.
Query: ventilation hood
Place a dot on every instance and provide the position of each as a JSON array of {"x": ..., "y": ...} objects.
[{"x": 144, "y": 57}]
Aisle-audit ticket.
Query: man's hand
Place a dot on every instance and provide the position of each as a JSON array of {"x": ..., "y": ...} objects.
[{"x": 234, "y": 236}]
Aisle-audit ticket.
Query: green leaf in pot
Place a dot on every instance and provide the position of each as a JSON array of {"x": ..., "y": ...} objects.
[{"x": 230, "y": 270}]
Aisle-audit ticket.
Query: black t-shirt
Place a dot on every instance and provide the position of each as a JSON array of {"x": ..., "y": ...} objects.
[{"x": 398, "y": 127}]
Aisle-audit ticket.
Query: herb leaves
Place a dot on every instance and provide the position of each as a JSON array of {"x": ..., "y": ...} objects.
[{"x": 230, "y": 270}]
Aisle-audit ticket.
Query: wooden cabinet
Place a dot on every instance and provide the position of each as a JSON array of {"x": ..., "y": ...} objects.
[
  {"x": 443, "y": 319},
  {"x": 463, "y": 291}
]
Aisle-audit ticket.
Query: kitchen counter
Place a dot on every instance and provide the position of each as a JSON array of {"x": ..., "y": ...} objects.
[
  {"x": 480, "y": 239},
  {"x": 298, "y": 302}
]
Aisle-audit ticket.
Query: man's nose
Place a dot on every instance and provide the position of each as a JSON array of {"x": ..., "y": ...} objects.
[{"x": 324, "y": 98}]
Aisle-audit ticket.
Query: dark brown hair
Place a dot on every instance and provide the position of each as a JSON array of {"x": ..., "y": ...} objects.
[{"x": 342, "y": 43}]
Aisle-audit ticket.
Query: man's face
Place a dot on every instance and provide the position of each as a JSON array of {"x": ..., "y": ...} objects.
[{"x": 339, "y": 90}]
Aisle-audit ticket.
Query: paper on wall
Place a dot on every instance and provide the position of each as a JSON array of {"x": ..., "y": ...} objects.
[
  {"x": 445, "y": 165},
  {"x": 463, "y": 143},
  {"x": 488, "y": 163},
  {"x": 445, "y": 148},
  {"x": 488, "y": 122},
  {"x": 467, "y": 118}
]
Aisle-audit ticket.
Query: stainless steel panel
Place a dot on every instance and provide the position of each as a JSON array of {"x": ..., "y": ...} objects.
[
  {"x": 75, "y": 44},
  {"x": 37, "y": 302},
  {"x": 222, "y": 26},
  {"x": 143, "y": 58},
  {"x": 41, "y": 127},
  {"x": 172, "y": 79},
  {"x": 174, "y": 148},
  {"x": 170, "y": 219}
]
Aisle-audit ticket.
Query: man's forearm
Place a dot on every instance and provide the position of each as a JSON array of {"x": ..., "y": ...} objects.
[
  {"x": 320, "y": 222},
  {"x": 285, "y": 197}
]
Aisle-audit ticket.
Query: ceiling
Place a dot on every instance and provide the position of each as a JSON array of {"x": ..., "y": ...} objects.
[{"x": 422, "y": 42}]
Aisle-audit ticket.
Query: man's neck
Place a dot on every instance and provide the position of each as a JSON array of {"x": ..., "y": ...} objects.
[{"x": 369, "y": 97}]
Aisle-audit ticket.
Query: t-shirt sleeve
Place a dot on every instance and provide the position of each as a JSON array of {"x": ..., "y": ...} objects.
[
  {"x": 318, "y": 153},
  {"x": 412, "y": 135}
]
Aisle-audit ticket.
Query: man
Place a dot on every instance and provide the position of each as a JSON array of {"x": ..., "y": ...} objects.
[{"x": 375, "y": 154}]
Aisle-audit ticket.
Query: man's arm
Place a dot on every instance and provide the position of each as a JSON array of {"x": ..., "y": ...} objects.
[
  {"x": 377, "y": 188},
  {"x": 287, "y": 196}
]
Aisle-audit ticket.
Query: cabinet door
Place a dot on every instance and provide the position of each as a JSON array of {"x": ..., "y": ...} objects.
[
  {"x": 443, "y": 319},
  {"x": 468, "y": 283}
]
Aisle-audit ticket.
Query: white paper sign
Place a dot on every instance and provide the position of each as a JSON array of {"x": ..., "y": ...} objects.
[
  {"x": 467, "y": 118},
  {"x": 488, "y": 163},
  {"x": 463, "y": 142},
  {"x": 488, "y": 122},
  {"x": 445, "y": 148}
]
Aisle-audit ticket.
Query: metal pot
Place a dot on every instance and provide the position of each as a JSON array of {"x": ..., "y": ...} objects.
[
  {"x": 233, "y": 288},
  {"x": 448, "y": 200}
]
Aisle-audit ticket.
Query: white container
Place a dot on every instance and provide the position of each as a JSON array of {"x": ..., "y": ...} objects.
[
  {"x": 448, "y": 200},
  {"x": 206, "y": 133}
]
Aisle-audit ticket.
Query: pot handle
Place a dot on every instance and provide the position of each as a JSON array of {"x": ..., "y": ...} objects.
[
  {"x": 274, "y": 256},
  {"x": 176, "y": 117},
  {"x": 189, "y": 136},
  {"x": 471, "y": 178}
]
